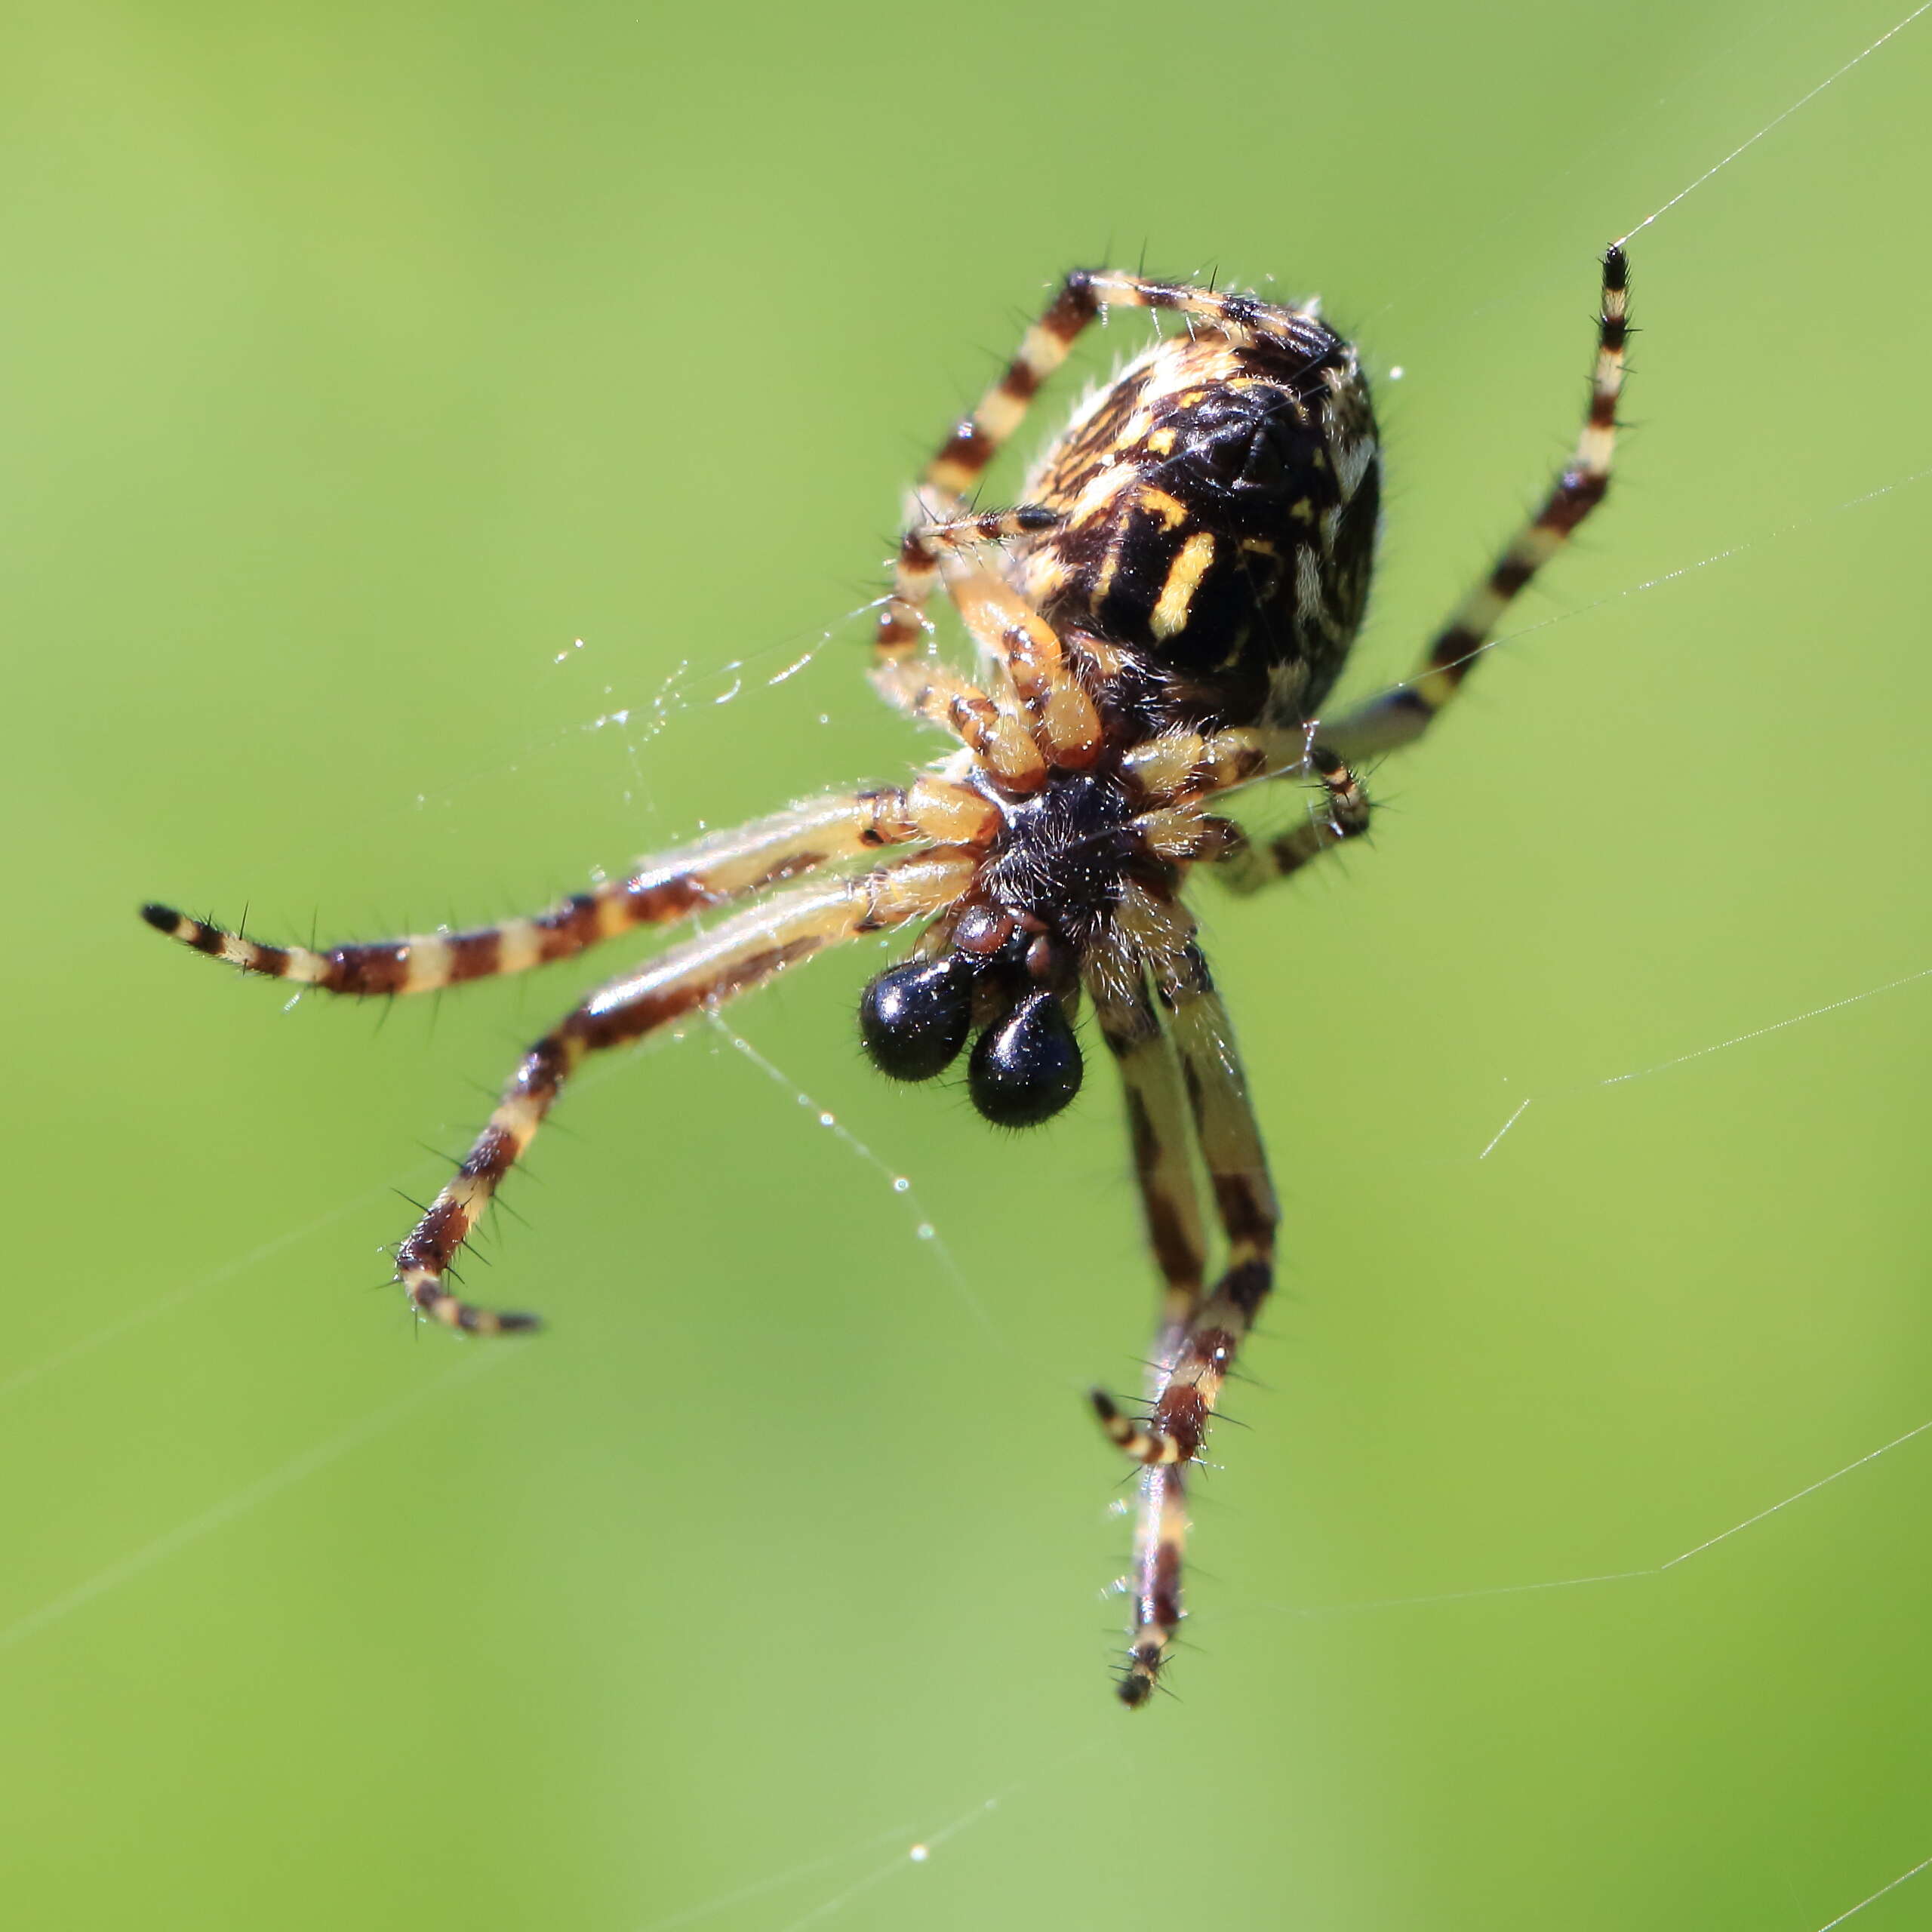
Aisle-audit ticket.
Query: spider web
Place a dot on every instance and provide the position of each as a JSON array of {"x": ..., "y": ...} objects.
[{"x": 884, "y": 1861}]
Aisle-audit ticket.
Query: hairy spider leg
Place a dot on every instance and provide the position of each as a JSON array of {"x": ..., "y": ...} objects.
[
  {"x": 962, "y": 459},
  {"x": 1399, "y": 717},
  {"x": 989, "y": 526},
  {"x": 993, "y": 726},
  {"x": 1344, "y": 814},
  {"x": 745, "y": 950},
  {"x": 1008, "y": 628},
  {"x": 1161, "y": 1135},
  {"x": 1229, "y": 1141},
  {"x": 1243, "y": 1195},
  {"x": 1175, "y": 775},
  {"x": 713, "y": 871},
  {"x": 1183, "y": 763},
  {"x": 1036, "y": 711}
]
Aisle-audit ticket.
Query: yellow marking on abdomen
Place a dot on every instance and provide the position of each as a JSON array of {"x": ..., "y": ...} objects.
[
  {"x": 1100, "y": 491},
  {"x": 1183, "y": 580},
  {"x": 1170, "y": 510},
  {"x": 1103, "y": 582}
]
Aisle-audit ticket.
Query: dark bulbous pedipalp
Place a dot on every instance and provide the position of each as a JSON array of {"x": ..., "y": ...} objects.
[
  {"x": 1027, "y": 1067},
  {"x": 914, "y": 1018}
]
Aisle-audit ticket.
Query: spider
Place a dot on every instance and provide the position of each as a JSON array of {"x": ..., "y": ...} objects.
[{"x": 1157, "y": 623}]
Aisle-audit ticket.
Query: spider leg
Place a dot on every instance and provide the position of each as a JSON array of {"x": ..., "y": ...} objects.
[
  {"x": 1240, "y": 318},
  {"x": 961, "y": 459},
  {"x": 742, "y": 952},
  {"x": 1244, "y": 1195},
  {"x": 1400, "y": 716},
  {"x": 713, "y": 871},
  {"x": 1157, "y": 1121},
  {"x": 1237, "y": 1165},
  {"x": 1009, "y": 630},
  {"x": 989, "y": 526},
  {"x": 1184, "y": 830},
  {"x": 1178, "y": 773},
  {"x": 995, "y": 728},
  {"x": 1158, "y": 1130},
  {"x": 1033, "y": 690},
  {"x": 1180, "y": 765},
  {"x": 1035, "y": 709}
]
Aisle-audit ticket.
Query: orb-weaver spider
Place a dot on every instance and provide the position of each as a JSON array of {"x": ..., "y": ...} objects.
[{"x": 1157, "y": 622}]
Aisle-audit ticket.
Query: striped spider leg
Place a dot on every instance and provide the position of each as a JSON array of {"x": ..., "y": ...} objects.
[
  {"x": 714, "y": 871},
  {"x": 1401, "y": 716},
  {"x": 1160, "y": 1138},
  {"x": 1185, "y": 1089},
  {"x": 742, "y": 952},
  {"x": 953, "y": 822}
]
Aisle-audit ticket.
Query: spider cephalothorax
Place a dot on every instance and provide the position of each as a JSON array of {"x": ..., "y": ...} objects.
[{"x": 1155, "y": 625}]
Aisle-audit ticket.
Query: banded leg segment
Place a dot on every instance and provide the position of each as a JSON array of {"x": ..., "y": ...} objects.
[
  {"x": 1240, "y": 318},
  {"x": 995, "y": 728},
  {"x": 1032, "y": 691},
  {"x": 743, "y": 952},
  {"x": 1182, "y": 765},
  {"x": 1237, "y": 1165},
  {"x": 1159, "y": 1132},
  {"x": 1399, "y": 717},
  {"x": 713, "y": 871},
  {"x": 1345, "y": 815},
  {"x": 1159, "y": 1135},
  {"x": 1231, "y": 1148},
  {"x": 1182, "y": 770},
  {"x": 962, "y": 459},
  {"x": 1008, "y": 628},
  {"x": 961, "y": 533}
]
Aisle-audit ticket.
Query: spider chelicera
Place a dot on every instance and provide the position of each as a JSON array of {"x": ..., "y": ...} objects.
[{"x": 1157, "y": 623}]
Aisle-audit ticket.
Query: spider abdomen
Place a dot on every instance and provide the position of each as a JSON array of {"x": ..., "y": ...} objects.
[{"x": 1219, "y": 501}]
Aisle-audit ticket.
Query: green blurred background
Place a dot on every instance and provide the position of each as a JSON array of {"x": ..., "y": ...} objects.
[{"x": 357, "y": 361}]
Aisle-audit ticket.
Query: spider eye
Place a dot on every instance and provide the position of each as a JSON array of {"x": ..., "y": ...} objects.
[
  {"x": 1027, "y": 1067},
  {"x": 914, "y": 1019}
]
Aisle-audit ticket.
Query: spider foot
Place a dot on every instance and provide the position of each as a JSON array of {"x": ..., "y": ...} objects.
[
  {"x": 1142, "y": 1677},
  {"x": 433, "y": 1301}
]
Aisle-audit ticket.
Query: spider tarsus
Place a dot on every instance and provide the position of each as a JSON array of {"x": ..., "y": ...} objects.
[
  {"x": 437, "y": 1306},
  {"x": 1141, "y": 1678},
  {"x": 510, "y": 1322}
]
